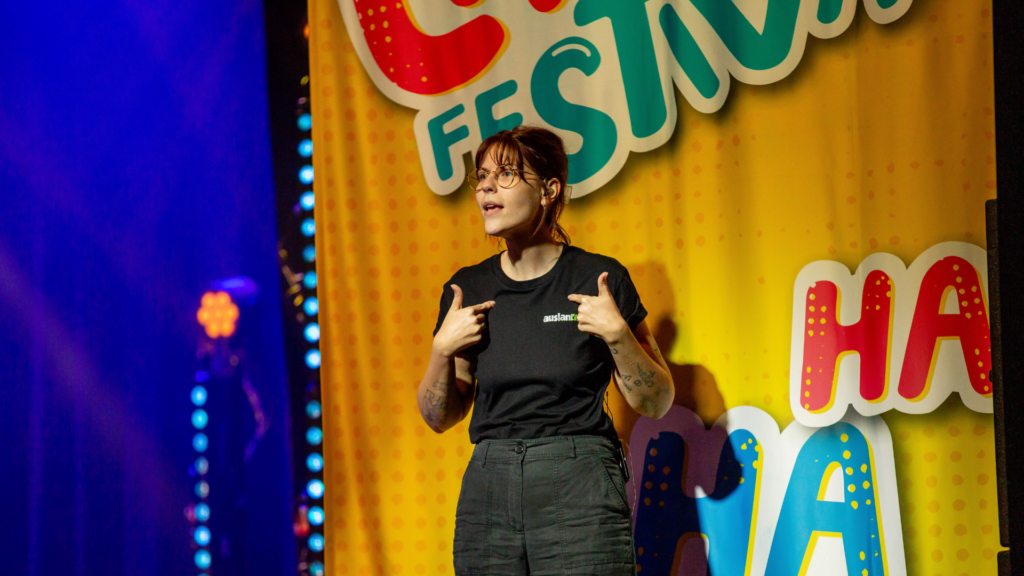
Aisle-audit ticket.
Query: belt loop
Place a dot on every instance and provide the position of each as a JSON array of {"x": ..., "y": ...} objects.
[
  {"x": 572, "y": 445},
  {"x": 487, "y": 445}
]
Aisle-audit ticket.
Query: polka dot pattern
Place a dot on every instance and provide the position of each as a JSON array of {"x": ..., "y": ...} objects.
[{"x": 713, "y": 227}]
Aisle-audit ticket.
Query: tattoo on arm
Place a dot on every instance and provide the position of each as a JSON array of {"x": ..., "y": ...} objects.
[
  {"x": 644, "y": 377},
  {"x": 615, "y": 350},
  {"x": 437, "y": 399},
  {"x": 625, "y": 382}
]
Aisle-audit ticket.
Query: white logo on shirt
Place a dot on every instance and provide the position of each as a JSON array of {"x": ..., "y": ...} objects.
[{"x": 560, "y": 318}]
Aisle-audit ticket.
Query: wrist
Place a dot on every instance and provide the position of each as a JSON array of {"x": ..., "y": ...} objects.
[
  {"x": 619, "y": 335},
  {"x": 440, "y": 351}
]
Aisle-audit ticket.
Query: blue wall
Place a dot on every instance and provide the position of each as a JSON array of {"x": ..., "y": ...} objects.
[{"x": 134, "y": 169}]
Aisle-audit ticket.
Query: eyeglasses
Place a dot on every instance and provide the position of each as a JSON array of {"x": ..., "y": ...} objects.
[{"x": 505, "y": 176}]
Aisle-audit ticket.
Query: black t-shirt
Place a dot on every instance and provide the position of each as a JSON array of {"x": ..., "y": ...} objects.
[{"x": 537, "y": 374}]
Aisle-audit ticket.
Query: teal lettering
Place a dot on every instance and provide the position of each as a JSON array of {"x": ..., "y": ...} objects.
[
  {"x": 687, "y": 53},
  {"x": 441, "y": 141},
  {"x": 489, "y": 125},
  {"x": 829, "y": 10},
  {"x": 756, "y": 51},
  {"x": 596, "y": 127},
  {"x": 632, "y": 31}
]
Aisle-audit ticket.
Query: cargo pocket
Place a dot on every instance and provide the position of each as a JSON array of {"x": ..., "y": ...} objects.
[{"x": 613, "y": 475}]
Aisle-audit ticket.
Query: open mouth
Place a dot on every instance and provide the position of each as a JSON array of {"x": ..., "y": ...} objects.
[{"x": 490, "y": 208}]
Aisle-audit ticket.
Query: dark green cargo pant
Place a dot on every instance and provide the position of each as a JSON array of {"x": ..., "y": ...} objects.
[{"x": 544, "y": 506}]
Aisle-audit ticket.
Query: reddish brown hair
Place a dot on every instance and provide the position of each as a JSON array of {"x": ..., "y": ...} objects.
[{"x": 537, "y": 150}]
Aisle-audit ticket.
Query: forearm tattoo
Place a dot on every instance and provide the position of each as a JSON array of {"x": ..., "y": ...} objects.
[
  {"x": 438, "y": 400},
  {"x": 648, "y": 399},
  {"x": 644, "y": 377}
]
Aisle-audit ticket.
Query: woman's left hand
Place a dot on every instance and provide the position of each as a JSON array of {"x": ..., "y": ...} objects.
[{"x": 599, "y": 315}]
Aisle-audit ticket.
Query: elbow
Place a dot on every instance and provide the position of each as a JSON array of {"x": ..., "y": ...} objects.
[{"x": 667, "y": 399}]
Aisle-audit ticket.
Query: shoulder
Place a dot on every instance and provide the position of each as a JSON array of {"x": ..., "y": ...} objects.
[
  {"x": 592, "y": 262},
  {"x": 472, "y": 274}
]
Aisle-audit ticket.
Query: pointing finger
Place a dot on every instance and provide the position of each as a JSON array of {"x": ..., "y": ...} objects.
[
  {"x": 577, "y": 298},
  {"x": 602, "y": 285},
  {"x": 457, "y": 300},
  {"x": 483, "y": 306}
]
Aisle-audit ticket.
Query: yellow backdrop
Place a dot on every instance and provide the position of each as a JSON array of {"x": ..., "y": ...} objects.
[{"x": 714, "y": 226}]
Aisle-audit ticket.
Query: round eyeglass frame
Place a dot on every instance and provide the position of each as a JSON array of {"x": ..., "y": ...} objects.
[{"x": 517, "y": 175}]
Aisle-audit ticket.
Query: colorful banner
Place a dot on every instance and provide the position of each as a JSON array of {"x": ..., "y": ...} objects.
[{"x": 797, "y": 188}]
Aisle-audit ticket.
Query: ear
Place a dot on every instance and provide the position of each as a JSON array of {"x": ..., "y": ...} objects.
[{"x": 550, "y": 191}]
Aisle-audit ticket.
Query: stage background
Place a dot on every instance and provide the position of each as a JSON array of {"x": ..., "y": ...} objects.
[
  {"x": 880, "y": 140},
  {"x": 135, "y": 169}
]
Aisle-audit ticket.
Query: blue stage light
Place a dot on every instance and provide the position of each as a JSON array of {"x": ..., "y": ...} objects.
[
  {"x": 203, "y": 559},
  {"x": 200, "y": 418},
  {"x": 202, "y": 489},
  {"x": 313, "y": 409},
  {"x": 315, "y": 515},
  {"x": 309, "y": 279},
  {"x": 306, "y": 174},
  {"x": 306, "y": 148},
  {"x": 313, "y": 359},
  {"x": 315, "y": 462},
  {"x": 317, "y": 569},
  {"x": 201, "y": 535},
  {"x": 308, "y": 227},
  {"x": 311, "y": 306},
  {"x": 200, "y": 442},
  {"x": 314, "y": 436},
  {"x": 305, "y": 122},
  {"x": 315, "y": 489},
  {"x": 316, "y": 543},
  {"x": 198, "y": 395},
  {"x": 312, "y": 332},
  {"x": 307, "y": 201},
  {"x": 202, "y": 512},
  {"x": 202, "y": 465},
  {"x": 309, "y": 253}
]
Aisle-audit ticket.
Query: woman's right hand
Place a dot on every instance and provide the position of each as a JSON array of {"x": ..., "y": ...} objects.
[{"x": 462, "y": 327}]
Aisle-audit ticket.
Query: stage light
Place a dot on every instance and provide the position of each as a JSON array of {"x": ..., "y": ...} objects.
[
  {"x": 313, "y": 359},
  {"x": 314, "y": 436},
  {"x": 202, "y": 465},
  {"x": 316, "y": 543},
  {"x": 198, "y": 396},
  {"x": 311, "y": 306},
  {"x": 309, "y": 253},
  {"x": 308, "y": 227},
  {"x": 203, "y": 559},
  {"x": 312, "y": 332},
  {"x": 306, "y": 174},
  {"x": 309, "y": 279},
  {"x": 316, "y": 569},
  {"x": 200, "y": 418},
  {"x": 315, "y": 489},
  {"x": 315, "y": 462},
  {"x": 200, "y": 442},
  {"x": 201, "y": 535},
  {"x": 313, "y": 409},
  {"x": 202, "y": 489},
  {"x": 217, "y": 314},
  {"x": 315, "y": 515},
  {"x": 306, "y": 148},
  {"x": 305, "y": 122},
  {"x": 202, "y": 512},
  {"x": 307, "y": 200}
]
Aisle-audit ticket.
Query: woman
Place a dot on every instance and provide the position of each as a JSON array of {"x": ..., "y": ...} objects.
[{"x": 532, "y": 335}]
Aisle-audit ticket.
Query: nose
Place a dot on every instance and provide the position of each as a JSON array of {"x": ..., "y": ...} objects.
[{"x": 488, "y": 184}]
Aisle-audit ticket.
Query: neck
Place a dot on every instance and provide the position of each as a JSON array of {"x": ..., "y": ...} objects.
[{"x": 526, "y": 259}]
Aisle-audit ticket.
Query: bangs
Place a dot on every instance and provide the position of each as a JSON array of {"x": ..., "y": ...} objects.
[{"x": 503, "y": 148}]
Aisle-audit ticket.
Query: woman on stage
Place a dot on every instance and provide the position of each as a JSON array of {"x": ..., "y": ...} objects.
[{"x": 532, "y": 336}]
